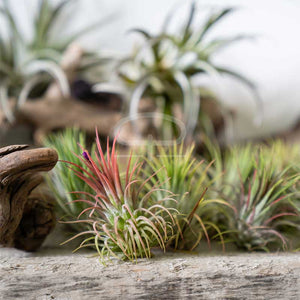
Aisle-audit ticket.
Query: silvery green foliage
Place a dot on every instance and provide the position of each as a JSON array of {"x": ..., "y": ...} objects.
[
  {"x": 165, "y": 64},
  {"x": 28, "y": 65}
]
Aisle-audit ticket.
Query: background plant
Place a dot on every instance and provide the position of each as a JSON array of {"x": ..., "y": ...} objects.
[
  {"x": 28, "y": 66},
  {"x": 164, "y": 66},
  {"x": 261, "y": 188},
  {"x": 287, "y": 156}
]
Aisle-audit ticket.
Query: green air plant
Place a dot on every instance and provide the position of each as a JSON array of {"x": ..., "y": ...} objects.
[
  {"x": 125, "y": 220},
  {"x": 261, "y": 194},
  {"x": 188, "y": 179},
  {"x": 27, "y": 66},
  {"x": 287, "y": 156},
  {"x": 63, "y": 181},
  {"x": 165, "y": 65}
]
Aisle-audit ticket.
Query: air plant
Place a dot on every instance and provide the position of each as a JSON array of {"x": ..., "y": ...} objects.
[
  {"x": 261, "y": 195},
  {"x": 125, "y": 220},
  {"x": 165, "y": 65},
  {"x": 27, "y": 66},
  {"x": 188, "y": 179},
  {"x": 286, "y": 156},
  {"x": 62, "y": 181}
]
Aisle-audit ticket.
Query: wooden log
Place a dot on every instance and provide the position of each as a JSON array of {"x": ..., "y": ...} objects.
[
  {"x": 56, "y": 275},
  {"x": 46, "y": 115}
]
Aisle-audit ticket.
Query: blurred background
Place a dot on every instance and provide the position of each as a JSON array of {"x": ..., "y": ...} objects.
[{"x": 266, "y": 53}]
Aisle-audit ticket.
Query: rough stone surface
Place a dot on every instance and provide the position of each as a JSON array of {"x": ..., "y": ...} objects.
[{"x": 55, "y": 274}]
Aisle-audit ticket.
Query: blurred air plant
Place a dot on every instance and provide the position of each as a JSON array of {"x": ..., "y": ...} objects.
[
  {"x": 188, "y": 179},
  {"x": 165, "y": 65},
  {"x": 262, "y": 196},
  {"x": 28, "y": 66},
  {"x": 125, "y": 221},
  {"x": 284, "y": 156}
]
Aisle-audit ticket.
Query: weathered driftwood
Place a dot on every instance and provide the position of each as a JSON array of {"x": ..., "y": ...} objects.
[
  {"x": 236, "y": 276},
  {"x": 19, "y": 176},
  {"x": 47, "y": 114},
  {"x": 37, "y": 221}
]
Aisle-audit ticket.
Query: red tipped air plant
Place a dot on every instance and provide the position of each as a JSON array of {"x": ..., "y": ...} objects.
[{"x": 125, "y": 221}]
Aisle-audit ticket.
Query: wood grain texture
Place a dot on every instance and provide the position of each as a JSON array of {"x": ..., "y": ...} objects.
[
  {"x": 19, "y": 176},
  {"x": 52, "y": 275}
]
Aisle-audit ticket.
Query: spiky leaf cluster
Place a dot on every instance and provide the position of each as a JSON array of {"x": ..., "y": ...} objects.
[
  {"x": 252, "y": 197},
  {"x": 62, "y": 181},
  {"x": 126, "y": 222},
  {"x": 262, "y": 194},
  {"x": 187, "y": 177}
]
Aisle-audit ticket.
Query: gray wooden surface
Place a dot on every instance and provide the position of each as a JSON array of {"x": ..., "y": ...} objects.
[{"x": 54, "y": 274}]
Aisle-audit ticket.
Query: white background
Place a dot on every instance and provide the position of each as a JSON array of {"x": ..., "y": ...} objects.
[{"x": 272, "y": 60}]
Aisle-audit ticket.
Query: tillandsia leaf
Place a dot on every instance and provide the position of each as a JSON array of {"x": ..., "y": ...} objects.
[
  {"x": 6, "y": 12},
  {"x": 193, "y": 212},
  {"x": 41, "y": 22},
  {"x": 219, "y": 43},
  {"x": 187, "y": 27},
  {"x": 212, "y": 21},
  {"x": 205, "y": 67},
  {"x": 53, "y": 69},
  {"x": 137, "y": 95},
  {"x": 16, "y": 41},
  {"x": 27, "y": 88},
  {"x": 191, "y": 101},
  {"x": 46, "y": 18},
  {"x": 144, "y": 33}
]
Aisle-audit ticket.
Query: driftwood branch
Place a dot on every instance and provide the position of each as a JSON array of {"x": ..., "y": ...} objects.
[
  {"x": 47, "y": 114},
  {"x": 19, "y": 176},
  {"x": 203, "y": 277}
]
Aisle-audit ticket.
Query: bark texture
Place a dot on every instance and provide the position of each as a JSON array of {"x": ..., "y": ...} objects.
[
  {"x": 19, "y": 176},
  {"x": 236, "y": 276}
]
